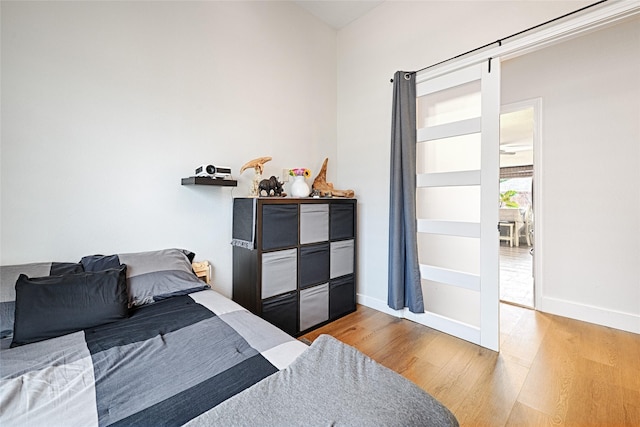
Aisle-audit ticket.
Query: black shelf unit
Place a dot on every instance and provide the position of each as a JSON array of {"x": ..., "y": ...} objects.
[
  {"x": 295, "y": 262},
  {"x": 203, "y": 180}
]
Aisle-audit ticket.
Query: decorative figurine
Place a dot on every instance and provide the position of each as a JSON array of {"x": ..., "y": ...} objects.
[
  {"x": 271, "y": 185},
  {"x": 258, "y": 167},
  {"x": 325, "y": 188}
]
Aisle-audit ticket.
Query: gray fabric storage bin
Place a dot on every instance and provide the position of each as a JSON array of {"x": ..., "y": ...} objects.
[
  {"x": 342, "y": 224},
  {"x": 314, "y": 306},
  {"x": 279, "y": 272},
  {"x": 314, "y": 264},
  {"x": 314, "y": 222},
  {"x": 279, "y": 226},
  {"x": 341, "y": 262},
  {"x": 282, "y": 311},
  {"x": 342, "y": 296}
]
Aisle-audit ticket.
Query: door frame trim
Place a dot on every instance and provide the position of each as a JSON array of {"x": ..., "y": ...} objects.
[{"x": 538, "y": 178}]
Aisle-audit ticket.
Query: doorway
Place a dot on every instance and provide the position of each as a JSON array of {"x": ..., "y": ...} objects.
[{"x": 518, "y": 133}]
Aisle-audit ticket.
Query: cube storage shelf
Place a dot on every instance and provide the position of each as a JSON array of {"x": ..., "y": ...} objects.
[{"x": 294, "y": 260}]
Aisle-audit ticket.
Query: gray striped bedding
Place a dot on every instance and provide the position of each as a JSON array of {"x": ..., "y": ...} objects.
[
  {"x": 167, "y": 363},
  {"x": 201, "y": 359}
]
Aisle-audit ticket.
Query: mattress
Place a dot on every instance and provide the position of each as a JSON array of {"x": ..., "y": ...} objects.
[
  {"x": 164, "y": 365},
  {"x": 201, "y": 359}
]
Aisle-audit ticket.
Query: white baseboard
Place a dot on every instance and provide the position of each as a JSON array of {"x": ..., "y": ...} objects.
[
  {"x": 586, "y": 313},
  {"x": 589, "y": 313},
  {"x": 378, "y": 304},
  {"x": 449, "y": 326}
]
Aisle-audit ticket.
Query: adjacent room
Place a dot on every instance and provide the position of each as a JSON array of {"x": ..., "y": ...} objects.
[
  {"x": 516, "y": 204},
  {"x": 146, "y": 279}
]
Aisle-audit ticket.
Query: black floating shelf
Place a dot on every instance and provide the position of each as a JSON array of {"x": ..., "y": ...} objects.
[{"x": 203, "y": 180}]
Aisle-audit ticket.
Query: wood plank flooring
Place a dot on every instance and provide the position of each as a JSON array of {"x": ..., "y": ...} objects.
[
  {"x": 551, "y": 371},
  {"x": 516, "y": 274}
]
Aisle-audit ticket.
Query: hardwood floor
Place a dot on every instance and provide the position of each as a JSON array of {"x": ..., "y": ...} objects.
[
  {"x": 516, "y": 274},
  {"x": 550, "y": 370}
]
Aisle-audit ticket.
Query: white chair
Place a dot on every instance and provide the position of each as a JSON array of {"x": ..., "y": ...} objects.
[
  {"x": 513, "y": 216},
  {"x": 509, "y": 226}
]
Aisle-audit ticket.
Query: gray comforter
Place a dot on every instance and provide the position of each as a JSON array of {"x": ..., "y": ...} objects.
[
  {"x": 202, "y": 359},
  {"x": 164, "y": 365},
  {"x": 331, "y": 384}
]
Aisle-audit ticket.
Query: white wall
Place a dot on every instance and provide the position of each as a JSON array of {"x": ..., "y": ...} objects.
[
  {"x": 595, "y": 277},
  {"x": 406, "y": 36},
  {"x": 107, "y": 105},
  {"x": 589, "y": 172}
]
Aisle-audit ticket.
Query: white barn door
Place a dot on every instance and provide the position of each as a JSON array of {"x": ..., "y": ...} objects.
[{"x": 458, "y": 130}]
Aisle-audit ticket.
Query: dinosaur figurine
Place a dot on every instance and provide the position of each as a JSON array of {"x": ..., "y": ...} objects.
[
  {"x": 258, "y": 167},
  {"x": 256, "y": 164}
]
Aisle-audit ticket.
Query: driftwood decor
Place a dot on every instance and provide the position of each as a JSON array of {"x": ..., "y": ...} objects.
[{"x": 325, "y": 188}]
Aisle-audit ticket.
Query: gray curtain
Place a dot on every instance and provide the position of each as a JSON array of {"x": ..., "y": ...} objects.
[{"x": 404, "y": 271}]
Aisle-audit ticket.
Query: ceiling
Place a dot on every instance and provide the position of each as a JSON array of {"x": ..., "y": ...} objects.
[
  {"x": 516, "y": 130},
  {"x": 516, "y": 137},
  {"x": 338, "y": 13}
]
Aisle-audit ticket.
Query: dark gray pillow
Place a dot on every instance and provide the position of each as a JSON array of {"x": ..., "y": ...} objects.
[
  {"x": 48, "y": 307},
  {"x": 153, "y": 275},
  {"x": 9, "y": 275}
]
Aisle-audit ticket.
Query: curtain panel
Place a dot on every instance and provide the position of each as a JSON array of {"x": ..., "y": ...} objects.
[{"x": 404, "y": 270}]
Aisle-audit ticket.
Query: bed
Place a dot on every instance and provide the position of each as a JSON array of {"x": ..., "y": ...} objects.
[{"x": 138, "y": 339}]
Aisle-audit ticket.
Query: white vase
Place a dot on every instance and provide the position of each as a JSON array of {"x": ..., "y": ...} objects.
[{"x": 299, "y": 187}]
